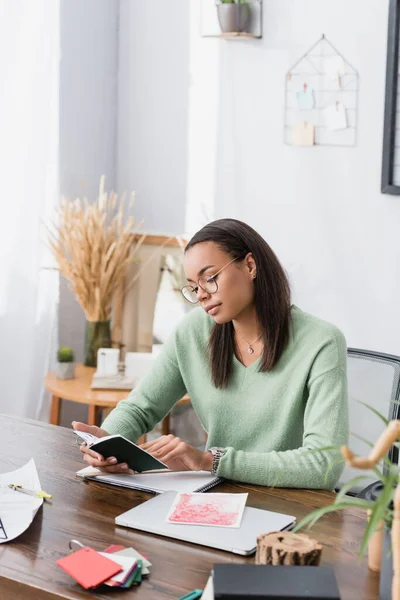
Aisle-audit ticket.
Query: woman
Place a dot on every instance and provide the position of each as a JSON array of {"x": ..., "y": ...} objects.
[{"x": 267, "y": 381}]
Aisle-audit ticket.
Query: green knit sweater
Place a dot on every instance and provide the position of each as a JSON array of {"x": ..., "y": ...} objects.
[{"x": 267, "y": 421}]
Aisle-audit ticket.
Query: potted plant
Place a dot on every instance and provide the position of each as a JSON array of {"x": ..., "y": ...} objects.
[
  {"x": 381, "y": 500},
  {"x": 65, "y": 368},
  {"x": 233, "y": 15},
  {"x": 93, "y": 244}
]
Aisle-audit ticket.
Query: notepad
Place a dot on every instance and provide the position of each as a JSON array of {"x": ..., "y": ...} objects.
[
  {"x": 124, "y": 451},
  {"x": 156, "y": 483}
]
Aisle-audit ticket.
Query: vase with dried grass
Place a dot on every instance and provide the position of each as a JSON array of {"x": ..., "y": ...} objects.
[{"x": 93, "y": 243}]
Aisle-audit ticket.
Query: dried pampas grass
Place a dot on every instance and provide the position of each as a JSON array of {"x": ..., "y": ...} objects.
[{"x": 93, "y": 243}]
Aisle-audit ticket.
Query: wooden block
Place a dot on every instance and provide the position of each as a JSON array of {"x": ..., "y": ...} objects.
[{"x": 287, "y": 548}]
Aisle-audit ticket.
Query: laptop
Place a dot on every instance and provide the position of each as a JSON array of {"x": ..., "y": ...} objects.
[{"x": 151, "y": 517}]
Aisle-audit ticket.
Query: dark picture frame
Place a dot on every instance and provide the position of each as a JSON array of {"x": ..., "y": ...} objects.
[{"x": 389, "y": 129}]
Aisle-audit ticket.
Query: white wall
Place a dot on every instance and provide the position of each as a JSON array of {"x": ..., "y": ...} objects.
[
  {"x": 320, "y": 209},
  {"x": 152, "y": 110},
  {"x": 88, "y": 103},
  {"x": 88, "y": 95}
]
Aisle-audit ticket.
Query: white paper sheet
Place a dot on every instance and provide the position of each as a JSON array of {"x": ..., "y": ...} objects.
[
  {"x": 335, "y": 65},
  {"x": 335, "y": 116},
  {"x": 17, "y": 510},
  {"x": 208, "y": 593}
]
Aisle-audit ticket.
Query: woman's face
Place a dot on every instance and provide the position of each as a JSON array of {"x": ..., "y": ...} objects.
[{"x": 235, "y": 282}]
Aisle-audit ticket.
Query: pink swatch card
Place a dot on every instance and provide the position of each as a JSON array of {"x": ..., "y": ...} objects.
[{"x": 216, "y": 510}]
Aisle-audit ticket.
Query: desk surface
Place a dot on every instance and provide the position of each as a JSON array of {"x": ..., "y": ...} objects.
[{"x": 86, "y": 511}]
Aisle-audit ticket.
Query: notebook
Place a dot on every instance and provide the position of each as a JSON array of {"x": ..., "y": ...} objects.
[
  {"x": 124, "y": 451},
  {"x": 271, "y": 582},
  {"x": 151, "y": 517},
  {"x": 156, "y": 482}
]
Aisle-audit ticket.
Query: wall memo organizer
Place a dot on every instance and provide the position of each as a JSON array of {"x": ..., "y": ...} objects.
[{"x": 321, "y": 99}]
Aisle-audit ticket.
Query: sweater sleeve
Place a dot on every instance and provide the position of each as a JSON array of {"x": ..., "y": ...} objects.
[
  {"x": 152, "y": 400},
  {"x": 325, "y": 424}
]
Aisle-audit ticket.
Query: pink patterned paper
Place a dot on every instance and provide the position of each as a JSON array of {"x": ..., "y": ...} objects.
[{"x": 217, "y": 510}]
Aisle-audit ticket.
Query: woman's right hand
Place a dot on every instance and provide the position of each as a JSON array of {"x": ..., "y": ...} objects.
[{"x": 94, "y": 459}]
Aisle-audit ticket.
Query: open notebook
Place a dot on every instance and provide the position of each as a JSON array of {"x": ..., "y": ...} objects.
[{"x": 157, "y": 482}]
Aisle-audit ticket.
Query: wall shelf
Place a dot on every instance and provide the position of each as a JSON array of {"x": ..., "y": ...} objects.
[{"x": 234, "y": 35}]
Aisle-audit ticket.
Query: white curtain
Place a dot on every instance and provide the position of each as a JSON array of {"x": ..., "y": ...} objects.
[{"x": 29, "y": 83}]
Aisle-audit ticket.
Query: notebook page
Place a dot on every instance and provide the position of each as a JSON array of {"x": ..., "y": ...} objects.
[{"x": 182, "y": 481}]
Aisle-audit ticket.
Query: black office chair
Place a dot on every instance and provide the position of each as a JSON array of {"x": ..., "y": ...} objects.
[{"x": 373, "y": 378}]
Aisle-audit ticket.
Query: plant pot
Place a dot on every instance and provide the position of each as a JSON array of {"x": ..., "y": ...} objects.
[
  {"x": 385, "y": 582},
  {"x": 97, "y": 335},
  {"x": 233, "y": 17},
  {"x": 65, "y": 370}
]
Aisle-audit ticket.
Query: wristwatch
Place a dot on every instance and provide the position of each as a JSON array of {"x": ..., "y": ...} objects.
[{"x": 216, "y": 454}]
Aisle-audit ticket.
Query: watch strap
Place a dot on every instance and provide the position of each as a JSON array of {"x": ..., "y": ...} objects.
[{"x": 216, "y": 454}]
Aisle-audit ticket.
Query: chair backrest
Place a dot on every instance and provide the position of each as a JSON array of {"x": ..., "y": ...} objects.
[{"x": 373, "y": 378}]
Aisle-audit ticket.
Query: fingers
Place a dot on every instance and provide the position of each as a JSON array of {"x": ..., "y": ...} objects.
[
  {"x": 78, "y": 426},
  {"x": 162, "y": 447},
  {"x": 108, "y": 465},
  {"x": 97, "y": 460},
  {"x": 158, "y": 443},
  {"x": 175, "y": 452},
  {"x": 119, "y": 469},
  {"x": 85, "y": 450}
]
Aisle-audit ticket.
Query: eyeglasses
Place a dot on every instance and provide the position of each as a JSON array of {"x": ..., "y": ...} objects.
[{"x": 207, "y": 284}]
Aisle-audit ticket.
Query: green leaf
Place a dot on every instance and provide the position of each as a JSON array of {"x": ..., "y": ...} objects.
[
  {"x": 350, "y": 484},
  {"x": 376, "y": 412},
  {"x": 331, "y": 465},
  {"x": 65, "y": 354},
  {"x": 315, "y": 515},
  {"x": 359, "y": 437},
  {"x": 379, "y": 474}
]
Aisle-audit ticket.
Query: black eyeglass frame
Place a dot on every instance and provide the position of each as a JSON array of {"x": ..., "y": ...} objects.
[{"x": 195, "y": 289}]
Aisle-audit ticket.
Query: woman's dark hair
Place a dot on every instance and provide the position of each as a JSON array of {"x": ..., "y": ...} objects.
[{"x": 271, "y": 296}]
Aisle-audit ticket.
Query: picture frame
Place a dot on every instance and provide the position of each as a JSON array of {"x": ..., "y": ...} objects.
[{"x": 390, "y": 183}]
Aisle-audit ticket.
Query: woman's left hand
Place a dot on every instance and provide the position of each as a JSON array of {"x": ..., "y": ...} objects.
[{"x": 178, "y": 455}]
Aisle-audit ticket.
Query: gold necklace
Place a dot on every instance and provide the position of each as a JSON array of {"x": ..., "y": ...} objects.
[{"x": 250, "y": 350}]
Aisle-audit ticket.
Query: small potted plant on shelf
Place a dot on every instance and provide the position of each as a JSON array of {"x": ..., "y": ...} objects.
[
  {"x": 65, "y": 368},
  {"x": 233, "y": 15},
  {"x": 381, "y": 500}
]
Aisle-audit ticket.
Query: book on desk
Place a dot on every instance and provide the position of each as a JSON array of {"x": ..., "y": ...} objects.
[{"x": 273, "y": 582}]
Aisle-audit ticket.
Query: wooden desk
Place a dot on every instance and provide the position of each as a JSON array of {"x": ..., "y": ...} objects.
[
  {"x": 86, "y": 511},
  {"x": 79, "y": 390}
]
